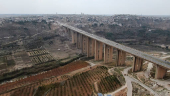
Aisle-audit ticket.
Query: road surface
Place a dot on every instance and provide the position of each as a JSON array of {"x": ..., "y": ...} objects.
[{"x": 131, "y": 79}]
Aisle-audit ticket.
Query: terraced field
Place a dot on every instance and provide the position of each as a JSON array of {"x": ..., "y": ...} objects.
[
  {"x": 56, "y": 83},
  {"x": 82, "y": 84},
  {"x": 42, "y": 78},
  {"x": 107, "y": 85}
]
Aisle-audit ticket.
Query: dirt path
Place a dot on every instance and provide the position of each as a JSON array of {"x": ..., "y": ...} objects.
[
  {"x": 91, "y": 64},
  {"x": 95, "y": 86},
  {"x": 118, "y": 90},
  {"x": 147, "y": 72},
  {"x": 109, "y": 71},
  {"x": 131, "y": 79},
  {"x": 164, "y": 83},
  {"x": 143, "y": 85},
  {"x": 165, "y": 57}
]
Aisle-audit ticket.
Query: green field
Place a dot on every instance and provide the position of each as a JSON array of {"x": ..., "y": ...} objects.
[{"x": 2, "y": 63}]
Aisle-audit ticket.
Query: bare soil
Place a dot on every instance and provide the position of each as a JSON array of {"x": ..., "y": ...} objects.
[
  {"x": 122, "y": 93},
  {"x": 139, "y": 90},
  {"x": 61, "y": 49}
]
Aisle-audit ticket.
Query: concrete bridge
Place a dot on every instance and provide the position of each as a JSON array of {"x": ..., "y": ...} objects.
[{"x": 93, "y": 45}]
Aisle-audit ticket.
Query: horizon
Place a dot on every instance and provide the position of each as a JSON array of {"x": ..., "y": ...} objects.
[{"x": 7, "y": 15}]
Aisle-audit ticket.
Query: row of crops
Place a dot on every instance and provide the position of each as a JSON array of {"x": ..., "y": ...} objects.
[
  {"x": 82, "y": 84},
  {"x": 39, "y": 77},
  {"x": 42, "y": 59},
  {"x": 37, "y": 52},
  {"x": 108, "y": 84},
  {"x": 40, "y": 56},
  {"x": 26, "y": 91}
]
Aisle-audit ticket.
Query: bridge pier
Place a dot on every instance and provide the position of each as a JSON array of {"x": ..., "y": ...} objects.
[
  {"x": 137, "y": 65},
  {"x": 160, "y": 72},
  {"x": 79, "y": 41},
  {"x": 85, "y": 44},
  {"x": 69, "y": 32},
  {"x": 91, "y": 43},
  {"x": 121, "y": 57},
  {"x": 108, "y": 54},
  {"x": 73, "y": 37},
  {"x": 65, "y": 30},
  {"x": 98, "y": 50}
]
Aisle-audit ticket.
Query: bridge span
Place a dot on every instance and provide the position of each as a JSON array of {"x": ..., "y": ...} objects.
[{"x": 92, "y": 45}]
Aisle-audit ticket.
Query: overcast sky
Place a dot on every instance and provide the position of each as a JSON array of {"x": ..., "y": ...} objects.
[{"x": 138, "y": 7}]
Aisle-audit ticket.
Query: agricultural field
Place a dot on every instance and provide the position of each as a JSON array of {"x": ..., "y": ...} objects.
[
  {"x": 42, "y": 77},
  {"x": 15, "y": 61},
  {"x": 2, "y": 62},
  {"x": 37, "y": 52},
  {"x": 107, "y": 85},
  {"x": 6, "y": 61},
  {"x": 82, "y": 84},
  {"x": 40, "y": 56},
  {"x": 21, "y": 59}
]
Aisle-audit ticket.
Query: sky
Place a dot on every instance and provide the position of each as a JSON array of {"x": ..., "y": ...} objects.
[{"x": 135, "y": 7}]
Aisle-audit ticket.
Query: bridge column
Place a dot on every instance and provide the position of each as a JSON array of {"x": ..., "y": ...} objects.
[
  {"x": 85, "y": 42},
  {"x": 137, "y": 65},
  {"x": 160, "y": 72},
  {"x": 79, "y": 40},
  {"x": 69, "y": 32},
  {"x": 91, "y": 43},
  {"x": 108, "y": 54},
  {"x": 73, "y": 37},
  {"x": 121, "y": 57},
  {"x": 65, "y": 31},
  {"x": 87, "y": 46},
  {"x": 98, "y": 50}
]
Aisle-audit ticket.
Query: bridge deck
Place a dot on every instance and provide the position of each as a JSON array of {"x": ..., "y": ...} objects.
[{"x": 132, "y": 51}]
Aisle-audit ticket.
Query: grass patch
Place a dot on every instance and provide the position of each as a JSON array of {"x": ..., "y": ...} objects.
[
  {"x": 4, "y": 63},
  {"x": 119, "y": 75},
  {"x": 43, "y": 89},
  {"x": 10, "y": 62},
  {"x": 2, "y": 59},
  {"x": 3, "y": 66}
]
